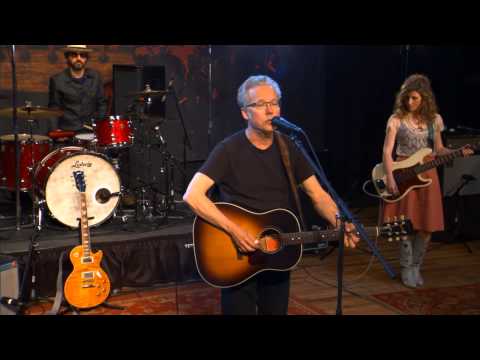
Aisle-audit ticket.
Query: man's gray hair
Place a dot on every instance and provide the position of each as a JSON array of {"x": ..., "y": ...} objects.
[{"x": 252, "y": 82}]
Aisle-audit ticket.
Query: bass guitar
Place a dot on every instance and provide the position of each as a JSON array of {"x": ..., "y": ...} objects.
[{"x": 407, "y": 173}]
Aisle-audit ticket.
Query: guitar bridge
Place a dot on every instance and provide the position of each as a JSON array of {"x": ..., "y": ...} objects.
[{"x": 88, "y": 275}]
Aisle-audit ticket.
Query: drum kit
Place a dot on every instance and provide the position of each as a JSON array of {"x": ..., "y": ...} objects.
[{"x": 47, "y": 164}]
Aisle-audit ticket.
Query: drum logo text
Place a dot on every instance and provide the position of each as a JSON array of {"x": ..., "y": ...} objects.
[{"x": 81, "y": 164}]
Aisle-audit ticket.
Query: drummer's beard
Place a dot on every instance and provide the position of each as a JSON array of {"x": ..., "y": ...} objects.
[{"x": 77, "y": 65}]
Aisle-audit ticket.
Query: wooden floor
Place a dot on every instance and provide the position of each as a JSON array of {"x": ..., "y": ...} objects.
[{"x": 314, "y": 280}]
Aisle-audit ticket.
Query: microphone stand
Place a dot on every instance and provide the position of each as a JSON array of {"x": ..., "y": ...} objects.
[
  {"x": 344, "y": 211},
  {"x": 459, "y": 214},
  {"x": 186, "y": 139},
  {"x": 17, "y": 145},
  {"x": 405, "y": 69},
  {"x": 341, "y": 247},
  {"x": 170, "y": 158}
]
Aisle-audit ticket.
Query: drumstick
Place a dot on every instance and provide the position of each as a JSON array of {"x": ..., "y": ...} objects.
[{"x": 88, "y": 127}]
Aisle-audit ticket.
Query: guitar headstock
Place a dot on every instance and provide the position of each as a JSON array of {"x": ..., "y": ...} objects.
[
  {"x": 79, "y": 180},
  {"x": 397, "y": 229}
]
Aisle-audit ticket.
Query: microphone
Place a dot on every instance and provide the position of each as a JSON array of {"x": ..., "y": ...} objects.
[
  {"x": 10, "y": 302},
  {"x": 284, "y": 124},
  {"x": 169, "y": 87},
  {"x": 103, "y": 195}
]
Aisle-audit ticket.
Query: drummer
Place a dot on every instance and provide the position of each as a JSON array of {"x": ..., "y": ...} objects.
[{"x": 78, "y": 91}]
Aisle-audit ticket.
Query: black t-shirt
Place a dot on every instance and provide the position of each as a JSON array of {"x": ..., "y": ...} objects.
[{"x": 253, "y": 178}]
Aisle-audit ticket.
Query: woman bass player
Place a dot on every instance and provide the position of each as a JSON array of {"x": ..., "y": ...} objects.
[{"x": 415, "y": 124}]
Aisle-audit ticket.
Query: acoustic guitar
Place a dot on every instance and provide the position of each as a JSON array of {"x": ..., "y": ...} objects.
[
  {"x": 221, "y": 264},
  {"x": 407, "y": 173},
  {"x": 88, "y": 285}
]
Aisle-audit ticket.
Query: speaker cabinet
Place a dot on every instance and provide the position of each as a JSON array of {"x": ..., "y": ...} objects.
[
  {"x": 9, "y": 282},
  {"x": 453, "y": 172}
]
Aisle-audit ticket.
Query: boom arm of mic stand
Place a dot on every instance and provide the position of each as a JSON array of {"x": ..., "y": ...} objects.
[
  {"x": 341, "y": 205},
  {"x": 186, "y": 139},
  {"x": 185, "y": 133}
]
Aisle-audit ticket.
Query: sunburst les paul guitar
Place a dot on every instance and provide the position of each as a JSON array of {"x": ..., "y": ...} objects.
[
  {"x": 407, "y": 173},
  {"x": 88, "y": 285},
  {"x": 221, "y": 264}
]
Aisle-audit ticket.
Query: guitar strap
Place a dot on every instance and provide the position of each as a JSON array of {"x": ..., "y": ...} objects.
[
  {"x": 282, "y": 145},
  {"x": 59, "y": 295},
  {"x": 430, "y": 134}
]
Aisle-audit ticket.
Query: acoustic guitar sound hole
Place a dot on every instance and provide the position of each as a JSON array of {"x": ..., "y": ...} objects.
[{"x": 269, "y": 242}]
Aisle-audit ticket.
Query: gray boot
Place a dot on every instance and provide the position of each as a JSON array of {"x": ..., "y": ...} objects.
[
  {"x": 419, "y": 250},
  {"x": 406, "y": 263}
]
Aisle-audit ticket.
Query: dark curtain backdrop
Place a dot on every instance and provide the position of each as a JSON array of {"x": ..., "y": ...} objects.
[{"x": 341, "y": 95}]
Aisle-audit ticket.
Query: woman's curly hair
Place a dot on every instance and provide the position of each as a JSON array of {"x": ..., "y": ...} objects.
[{"x": 421, "y": 84}]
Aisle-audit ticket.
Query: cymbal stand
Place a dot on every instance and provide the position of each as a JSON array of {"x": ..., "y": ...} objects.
[
  {"x": 186, "y": 139},
  {"x": 17, "y": 145},
  {"x": 167, "y": 168},
  {"x": 144, "y": 209},
  {"x": 31, "y": 142}
]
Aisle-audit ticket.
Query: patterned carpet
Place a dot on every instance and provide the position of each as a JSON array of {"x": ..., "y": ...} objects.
[
  {"x": 453, "y": 300},
  {"x": 193, "y": 299}
]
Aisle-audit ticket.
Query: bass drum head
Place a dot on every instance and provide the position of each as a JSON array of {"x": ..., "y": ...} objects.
[{"x": 63, "y": 198}]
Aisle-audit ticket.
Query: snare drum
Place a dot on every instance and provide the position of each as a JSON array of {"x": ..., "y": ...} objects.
[
  {"x": 114, "y": 132},
  {"x": 87, "y": 140},
  {"x": 56, "y": 184},
  {"x": 32, "y": 150}
]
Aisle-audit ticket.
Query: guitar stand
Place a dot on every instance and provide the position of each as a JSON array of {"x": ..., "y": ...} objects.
[
  {"x": 77, "y": 311},
  {"x": 105, "y": 304},
  {"x": 60, "y": 297}
]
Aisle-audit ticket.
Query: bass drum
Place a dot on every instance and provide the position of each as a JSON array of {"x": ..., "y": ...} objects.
[{"x": 56, "y": 184}]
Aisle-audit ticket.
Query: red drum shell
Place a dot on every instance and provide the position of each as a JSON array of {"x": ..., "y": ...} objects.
[
  {"x": 35, "y": 150},
  {"x": 114, "y": 132}
]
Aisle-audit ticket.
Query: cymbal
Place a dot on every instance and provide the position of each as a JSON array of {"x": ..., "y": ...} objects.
[
  {"x": 148, "y": 93},
  {"x": 34, "y": 112}
]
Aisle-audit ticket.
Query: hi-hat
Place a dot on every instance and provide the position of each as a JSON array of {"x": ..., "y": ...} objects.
[
  {"x": 33, "y": 112},
  {"x": 148, "y": 93}
]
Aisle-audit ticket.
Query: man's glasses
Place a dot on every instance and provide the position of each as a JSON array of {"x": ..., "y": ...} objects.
[
  {"x": 74, "y": 55},
  {"x": 263, "y": 104}
]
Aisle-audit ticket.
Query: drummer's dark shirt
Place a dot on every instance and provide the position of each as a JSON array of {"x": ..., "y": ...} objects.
[{"x": 82, "y": 100}]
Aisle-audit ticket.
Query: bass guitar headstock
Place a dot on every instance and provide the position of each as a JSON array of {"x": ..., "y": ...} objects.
[
  {"x": 79, "y": 180},
  {"x": 396, "y": 228}
]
